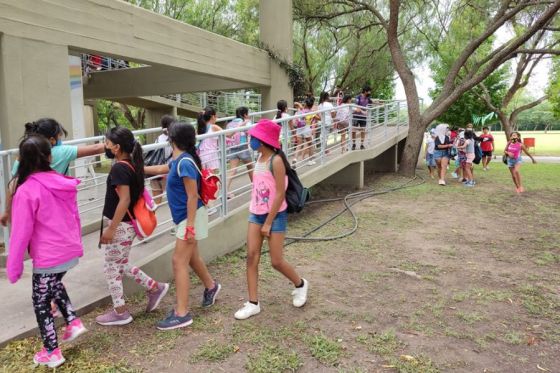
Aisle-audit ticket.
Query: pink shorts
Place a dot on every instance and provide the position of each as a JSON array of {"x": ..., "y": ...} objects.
[{"x": 470, "y": 158}]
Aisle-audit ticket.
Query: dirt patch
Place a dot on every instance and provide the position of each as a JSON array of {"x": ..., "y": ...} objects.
[{"x": 435, "y": 279}]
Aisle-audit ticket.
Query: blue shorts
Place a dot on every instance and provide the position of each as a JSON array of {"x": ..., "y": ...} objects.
[
  {"x": 279, "y": 224},
  {"x": 430, "y": 161},
  {"x": 239, "y": 152},
  {"x": 512, "y": 161},
  {"x": 439, "y": 154}
]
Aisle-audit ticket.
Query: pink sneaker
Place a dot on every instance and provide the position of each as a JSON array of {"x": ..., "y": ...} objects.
[
  {"x": 52, "y": 360},
  {"x": 73, "y": 331}
]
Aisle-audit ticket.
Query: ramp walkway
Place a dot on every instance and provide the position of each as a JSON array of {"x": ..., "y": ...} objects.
[{"x": 334, "y": 163}]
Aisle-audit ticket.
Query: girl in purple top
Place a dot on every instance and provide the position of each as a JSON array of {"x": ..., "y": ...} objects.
[{"x": 513, "y": 153}]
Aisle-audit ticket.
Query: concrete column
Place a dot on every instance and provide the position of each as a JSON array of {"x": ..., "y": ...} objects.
[
  {"x": 385, "y": 162},
  {"x": 276, "y": 29},
  {"x": 153, "y": 119},
  {"x": 34, "y": 83},
  {"x": 352, "y": 176}
]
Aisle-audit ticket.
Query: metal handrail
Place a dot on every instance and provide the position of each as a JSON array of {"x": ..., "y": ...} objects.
[{"x": 379, "y": 118}]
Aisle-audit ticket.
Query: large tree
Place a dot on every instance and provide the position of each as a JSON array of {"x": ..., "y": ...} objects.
[
  {"x": 433, "y": 20},
  {"x": 534, "y": 52}
]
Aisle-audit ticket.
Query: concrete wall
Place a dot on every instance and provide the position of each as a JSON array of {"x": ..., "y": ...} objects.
[
  {"x": 122, "y": 30},
  {"x": 276, "y": 32},
  {"x": 34, "y": 83}
]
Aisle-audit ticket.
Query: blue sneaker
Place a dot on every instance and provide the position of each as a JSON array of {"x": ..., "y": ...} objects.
[
  {"x": 172, "y": 321},
  {"x": 210, "y": 295}
]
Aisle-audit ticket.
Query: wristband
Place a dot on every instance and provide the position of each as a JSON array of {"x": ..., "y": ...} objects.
[{"x": 190, "y": 231}]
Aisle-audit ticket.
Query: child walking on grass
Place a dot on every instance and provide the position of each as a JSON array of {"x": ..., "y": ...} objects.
[
  {"x": 268, "y": 216},
  {"x": 46, "y": 224},
  {"x": 513, "y": 150},
  {"x": 191, "y": 217},
  {"x": 125, "y": 185}
]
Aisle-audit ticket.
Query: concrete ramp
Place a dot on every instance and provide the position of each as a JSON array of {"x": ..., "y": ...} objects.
[{"x": 86, "y": 284}]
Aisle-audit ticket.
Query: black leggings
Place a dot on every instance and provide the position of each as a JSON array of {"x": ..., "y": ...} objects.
[{"x": 46, "y": 288}]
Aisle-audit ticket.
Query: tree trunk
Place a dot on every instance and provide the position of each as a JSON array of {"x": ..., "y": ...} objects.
[
  {"x": 506, "y": 124},
  {"x": 412, "y": 145}
]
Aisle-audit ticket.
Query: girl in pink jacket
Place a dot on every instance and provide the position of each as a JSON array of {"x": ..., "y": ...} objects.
[{"x": 45, "y": 204}]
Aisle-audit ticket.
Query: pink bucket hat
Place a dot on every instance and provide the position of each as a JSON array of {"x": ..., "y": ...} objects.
[{"x": 268, "y": 132}]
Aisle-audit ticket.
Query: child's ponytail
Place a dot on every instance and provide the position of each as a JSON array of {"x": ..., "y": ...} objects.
[
  {"x": 183, "y": 135},
  {"x": 137, "y": 159},
  {"x": 203, "y": 119},
  {"x": 123, "y": 136},
  {"x": 34, "y": 154}
]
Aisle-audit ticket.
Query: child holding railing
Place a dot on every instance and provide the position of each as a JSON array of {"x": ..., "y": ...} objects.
[
  {"x": 191, "y": 218},
  {"x": 125, "y": 184}
]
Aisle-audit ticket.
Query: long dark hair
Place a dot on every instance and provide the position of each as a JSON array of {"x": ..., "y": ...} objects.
[
  {"x": 280, "y": 153},
  {"x": 282, "y": 106},
  {"x": 241, "y": 111},
  {"x": 203, "y": 118},
  {"x": 183, "y": 135},
  {"x": 166, "y": 121},
  {"x": 324, "y": 96},
  {"x": 34, "y": 153},
  {"x": 309, "y": 102},
  {"x": 123, "y": 136},
  {"x": 46, "y": 127}
]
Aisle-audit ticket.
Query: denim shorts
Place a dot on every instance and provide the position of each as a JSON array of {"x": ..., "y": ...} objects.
[
  {"x": 279, "y": 224},
  {"x": 439, "y": 154},
  {"x": 239, "y": 152},
  {"x": 511, "y": 162},
  {"x": 430, "y": 161}
]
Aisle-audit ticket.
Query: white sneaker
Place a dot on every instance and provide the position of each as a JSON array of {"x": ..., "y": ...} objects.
[
  {"x": 300, "y": 294},
  {"x": 311, "y": 163},
  {"x": 454, "y": 175},
  {"x": 441, "y": 182},
  {"x": 249, "y": 309}
]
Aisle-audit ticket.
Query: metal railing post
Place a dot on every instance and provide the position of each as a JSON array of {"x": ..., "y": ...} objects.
[
  {"x": 4, "y": 170},
  {"x": 323, "y": 138},
  {"x": 223, "y": 173},
  {"x": 350, "y": 141},
  {"x": 286, "y": 137},
  {"x": 369, "y": 129}
]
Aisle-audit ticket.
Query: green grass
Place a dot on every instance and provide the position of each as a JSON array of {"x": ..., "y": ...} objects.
[
  {"x": 213, "y": 351},
  {"x": 545, "y": 143},
  {"x": 324, "y": 349},
  {"x": 383, "y": 344},
  {"x": 273, "y": 359}
]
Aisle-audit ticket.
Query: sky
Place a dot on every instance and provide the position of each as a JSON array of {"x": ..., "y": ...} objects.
[{"x": 424, "y": 81}]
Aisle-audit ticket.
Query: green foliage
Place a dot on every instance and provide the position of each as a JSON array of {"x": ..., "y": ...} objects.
[
  {"x": 236, "y": 19},
  {"x": 554, "y": 88},
  {"x": 464, "y": 27},
  {"x": 111, "y": 114},
  {"x": 348, "y": 51}
]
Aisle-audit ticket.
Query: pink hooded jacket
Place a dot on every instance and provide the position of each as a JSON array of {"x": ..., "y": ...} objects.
[{"x": 45, "y": 219}]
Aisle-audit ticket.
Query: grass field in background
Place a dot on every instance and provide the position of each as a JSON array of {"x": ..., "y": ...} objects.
[{"x": 545, "y": 143}]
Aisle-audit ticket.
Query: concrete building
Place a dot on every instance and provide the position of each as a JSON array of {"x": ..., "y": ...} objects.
[{"x": 40, "y": 42}]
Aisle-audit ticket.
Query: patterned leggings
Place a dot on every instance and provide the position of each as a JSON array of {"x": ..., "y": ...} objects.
[
  {"x": 48, "y": 287},
  {"x": 116, "y": 264}
]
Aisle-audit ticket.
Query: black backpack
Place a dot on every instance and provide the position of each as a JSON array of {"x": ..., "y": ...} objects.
[{"x": 296, "y": 194}]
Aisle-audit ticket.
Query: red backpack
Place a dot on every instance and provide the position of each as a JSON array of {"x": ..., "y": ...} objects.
[
  {"x": 144, "y": 220},
  {"x": 209, "y": 183}
]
